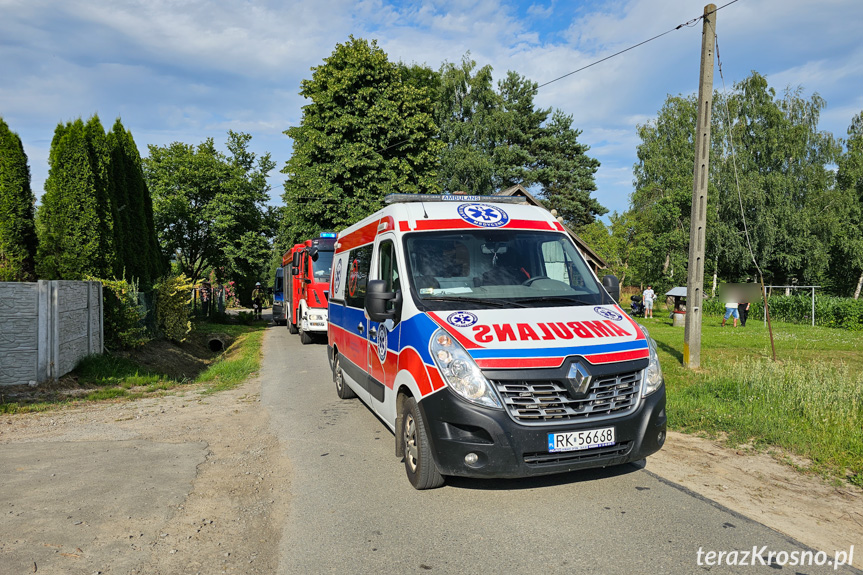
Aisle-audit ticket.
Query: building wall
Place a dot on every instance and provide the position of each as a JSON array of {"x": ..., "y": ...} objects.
[{"x": 46, "y": 327}]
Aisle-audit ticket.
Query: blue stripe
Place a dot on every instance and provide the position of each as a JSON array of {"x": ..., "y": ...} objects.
[{"x": 557, "y": 351}]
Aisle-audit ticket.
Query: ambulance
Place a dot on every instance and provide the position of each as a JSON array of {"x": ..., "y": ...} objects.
[{"x": 475, "y": 330}]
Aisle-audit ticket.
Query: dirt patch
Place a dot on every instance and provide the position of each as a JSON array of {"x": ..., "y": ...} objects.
[
  {"x": 761, "y": 486},
  {"x": 230, "y": 521}
]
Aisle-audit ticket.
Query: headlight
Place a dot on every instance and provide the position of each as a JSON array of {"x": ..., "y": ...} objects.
[
  {"x": 315, "y": 317},
  {"x": 460, "y": 371},
  {"x": 651, "y": 377}
]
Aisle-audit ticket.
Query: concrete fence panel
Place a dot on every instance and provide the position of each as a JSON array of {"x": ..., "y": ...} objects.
[{"x": 46, "y": 328}]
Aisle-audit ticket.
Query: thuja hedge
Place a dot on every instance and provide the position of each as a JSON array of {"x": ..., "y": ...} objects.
[{"x": 841, "y": 312}]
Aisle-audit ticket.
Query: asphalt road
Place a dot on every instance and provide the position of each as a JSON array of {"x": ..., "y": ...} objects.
[{"x": 353, "y": 510}]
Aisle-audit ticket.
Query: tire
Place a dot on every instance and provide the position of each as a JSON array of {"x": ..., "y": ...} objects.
[
  {"x": 342, "y": 388},
  {"x": 305, "y": 338},
  {"x": 419, "y": 463},
  {"x": 292, "y": 328}
]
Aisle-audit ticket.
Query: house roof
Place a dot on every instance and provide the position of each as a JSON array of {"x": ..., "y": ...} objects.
[{"x": 591, "y": 256}]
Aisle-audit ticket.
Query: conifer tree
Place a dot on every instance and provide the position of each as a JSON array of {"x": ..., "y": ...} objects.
[
  {"x": 75, "y": 224},
  {"x": 17, "y": 226}
]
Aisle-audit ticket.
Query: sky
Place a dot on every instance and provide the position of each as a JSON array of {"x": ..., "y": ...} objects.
[{"x": 187, "y": 70}]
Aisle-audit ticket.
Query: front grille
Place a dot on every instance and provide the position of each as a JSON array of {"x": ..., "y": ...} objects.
[
  {"x": 534, "y": 402},
  {"x": 543, "y": 458}
]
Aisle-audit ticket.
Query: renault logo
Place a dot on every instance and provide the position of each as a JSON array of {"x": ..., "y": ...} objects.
[{"x": 578, "y": 378}]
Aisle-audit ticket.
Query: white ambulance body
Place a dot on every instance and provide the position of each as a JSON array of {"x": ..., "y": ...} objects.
[{"x": 476, "y": 331}]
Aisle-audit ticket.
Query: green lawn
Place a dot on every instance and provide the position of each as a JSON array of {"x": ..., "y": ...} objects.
[{"x": 808, "y": 403}]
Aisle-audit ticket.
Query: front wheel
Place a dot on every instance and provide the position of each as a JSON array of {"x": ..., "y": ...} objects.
[
  {"x": 419, "y": 463},
  {"x": 342, "y": 388},
  {"x": 305, "y": 337}
]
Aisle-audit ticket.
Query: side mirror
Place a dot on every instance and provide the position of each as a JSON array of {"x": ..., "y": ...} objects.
[
  {"x": 295, "y": 270},
  {"x": 313, "y": 253},
  {"x": 612, "y": 286},
  {"x": 296, "y": 261},
  {"x": 377, "y": 299}
]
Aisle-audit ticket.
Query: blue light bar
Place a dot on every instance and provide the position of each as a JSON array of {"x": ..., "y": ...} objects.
[{"x": 328, "y": 235}]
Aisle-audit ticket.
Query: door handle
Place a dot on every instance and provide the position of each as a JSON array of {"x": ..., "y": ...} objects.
[
  {"x": 361, "y": 328},
  {"x": 373, "y": 333}
]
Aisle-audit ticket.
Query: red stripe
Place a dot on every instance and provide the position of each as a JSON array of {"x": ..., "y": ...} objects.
[
  {"x": 364, "y": 235},
  {"x": 617, "y": 356},
  {"x": 468, "y": 344},
  {"x": 638, "y": 333},
  {"x": 410, "y": 361},
  {"x": 520, "y": 362},
  {"x": 423, "y": 225}
]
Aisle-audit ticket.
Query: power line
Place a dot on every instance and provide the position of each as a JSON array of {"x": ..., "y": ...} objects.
[{"x": 687, "y": 24}]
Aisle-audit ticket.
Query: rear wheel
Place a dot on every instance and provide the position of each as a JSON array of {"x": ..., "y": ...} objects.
[
  {"x": 419, "y": 463},
  {"x": 342, "y": 389}
]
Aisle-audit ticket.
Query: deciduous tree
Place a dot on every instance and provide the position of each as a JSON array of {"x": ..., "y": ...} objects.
[{"x": 365, "y": 133}]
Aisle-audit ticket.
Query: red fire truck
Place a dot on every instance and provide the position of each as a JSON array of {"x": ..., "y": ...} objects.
[{"x": 307, "y": 269}]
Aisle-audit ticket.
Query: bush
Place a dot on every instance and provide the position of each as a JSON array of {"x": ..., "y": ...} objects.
[
  {"x": 123, "y": 317},
  {"x": 839, "y": 312},
  {"x": 173, "y": 295}
]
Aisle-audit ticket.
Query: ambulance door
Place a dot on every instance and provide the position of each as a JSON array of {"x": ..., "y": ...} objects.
[
  {"x": 384, "y": 336},
  {"x": 352, "y": 318}
]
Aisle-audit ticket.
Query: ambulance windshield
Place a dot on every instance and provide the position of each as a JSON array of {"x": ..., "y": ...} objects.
[{"x": 525, "y": 268}]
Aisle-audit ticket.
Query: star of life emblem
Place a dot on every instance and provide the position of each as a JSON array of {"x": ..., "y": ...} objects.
[
  {"x": 607, "y": 313},
  {"x": 382, "y": 342},
  {"x": 483, "y": 215},
  {"x": 462, "y": 319},
  {"x": 337, "y": 279}
]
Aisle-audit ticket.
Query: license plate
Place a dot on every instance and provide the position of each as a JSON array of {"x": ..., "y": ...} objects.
[{"x": 578, "y": 440}]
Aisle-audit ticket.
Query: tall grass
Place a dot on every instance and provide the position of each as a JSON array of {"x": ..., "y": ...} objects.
[{"x": 814, "y": 410}]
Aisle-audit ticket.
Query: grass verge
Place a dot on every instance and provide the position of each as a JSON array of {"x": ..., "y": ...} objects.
[
  {"x": 809, "y": 402},
  {"x": 107, "y": 377}
]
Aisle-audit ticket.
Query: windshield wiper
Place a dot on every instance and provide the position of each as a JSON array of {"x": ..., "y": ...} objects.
[
  {"x": 493, "y": 302},
  {"x": 556, "y": 298}
]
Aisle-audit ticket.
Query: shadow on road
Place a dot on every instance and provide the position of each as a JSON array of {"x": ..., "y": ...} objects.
[{"x": 545, "y": 480}]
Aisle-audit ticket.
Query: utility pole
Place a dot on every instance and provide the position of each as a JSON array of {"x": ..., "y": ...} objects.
[{"x": 700, "y": 177}]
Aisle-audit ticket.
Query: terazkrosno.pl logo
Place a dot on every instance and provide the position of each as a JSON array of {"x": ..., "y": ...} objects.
[
  {"x": 338, "y": 277},
  {"x": 382, "y": 342}
]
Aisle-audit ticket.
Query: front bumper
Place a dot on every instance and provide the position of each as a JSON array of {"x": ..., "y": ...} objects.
[
  {"x": 508, "y": 449},
  {"x": 315, "y": 320}
]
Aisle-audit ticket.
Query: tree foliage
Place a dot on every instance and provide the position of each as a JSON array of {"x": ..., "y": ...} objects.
[
  {"x": 96, "y": 215},
  {"x": 775, "y": 193},
  {"x": 17, "y": 225},
  {"x": 495, "y": 139},
  {"x": 847, "y": 248},
  {"x": 74, "y": 221},
  {"x": 209, "y": 208},
  {"x": 365, "y": 133}
]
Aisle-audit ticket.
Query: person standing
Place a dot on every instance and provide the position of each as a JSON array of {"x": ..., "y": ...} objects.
[
  {"x": 206, "y": 291},
  {"x": 731, "y": 310},
  {"x": 257, "y": 300},
  {"x": 743, "y": 311},
  {"x": 648, "y": 296}
]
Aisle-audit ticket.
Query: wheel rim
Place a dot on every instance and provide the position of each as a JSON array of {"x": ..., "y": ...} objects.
[
  {"x": 339, "y": 382},
  {"x": 410, "y": 439}
]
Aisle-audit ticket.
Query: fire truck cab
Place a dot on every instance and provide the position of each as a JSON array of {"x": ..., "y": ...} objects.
[
  {"x": 308, "y": 266},
  {"x": 475, "y": 330}
]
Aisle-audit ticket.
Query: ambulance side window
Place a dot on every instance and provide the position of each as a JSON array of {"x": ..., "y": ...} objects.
[
  {"x": 388, "y": 267},
  {"x": 359, "y": 265}
]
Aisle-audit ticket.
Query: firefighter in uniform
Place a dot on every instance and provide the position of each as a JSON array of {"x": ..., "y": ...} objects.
[{"x": 257, "y": 300}]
